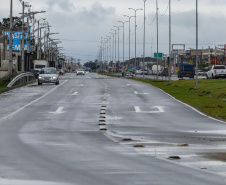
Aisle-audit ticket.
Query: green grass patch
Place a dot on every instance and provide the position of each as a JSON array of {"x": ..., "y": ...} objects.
[{"x": 209, "y": 98}]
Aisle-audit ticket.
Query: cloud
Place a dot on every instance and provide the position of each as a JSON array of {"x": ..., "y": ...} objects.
[
  {"x": 62, "y": 6},
  {"x": 95, "y": 15}
]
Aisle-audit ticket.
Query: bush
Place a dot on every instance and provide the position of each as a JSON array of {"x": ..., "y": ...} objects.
[{"x": 5, "y": 80}]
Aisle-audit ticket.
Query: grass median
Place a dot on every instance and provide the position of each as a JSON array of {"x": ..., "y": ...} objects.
[{"x": 209, "y": 98}]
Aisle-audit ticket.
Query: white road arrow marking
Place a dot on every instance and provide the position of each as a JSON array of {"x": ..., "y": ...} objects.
[
  {"x": 80, "y": 85},
  {"x": 58, "y": 111},
  {"x": 135, "y": 92},
  {"x": 75, "y": 93},
  {"x": 160, "y": 110}
]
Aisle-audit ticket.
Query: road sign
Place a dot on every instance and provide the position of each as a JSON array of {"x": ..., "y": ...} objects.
[{"x": 159, "y": 54}]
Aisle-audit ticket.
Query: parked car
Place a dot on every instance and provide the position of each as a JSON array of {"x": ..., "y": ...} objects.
[
  {"x": 165, "y": 71},
  {"x": 138, "y": 72},
  {"x": 201, "y": 73},
  {"x": 80, "y": 72},
  {"x": 216, "y": 71},
  {"x": 145, "y": 72},
  {"x": 48, "y": 75}
]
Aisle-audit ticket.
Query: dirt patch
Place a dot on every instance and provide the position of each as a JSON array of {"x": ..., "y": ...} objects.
[{"x": 221, "y": 156}]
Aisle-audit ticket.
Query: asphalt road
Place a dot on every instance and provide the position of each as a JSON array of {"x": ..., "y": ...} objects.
[{"x": 98, "y": 130}]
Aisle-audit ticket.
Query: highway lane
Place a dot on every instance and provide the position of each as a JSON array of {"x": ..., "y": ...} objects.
[{"x": 56, "y": 139}]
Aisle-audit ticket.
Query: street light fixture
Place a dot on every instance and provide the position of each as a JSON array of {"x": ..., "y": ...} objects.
[{"x": 135, "y": 10}]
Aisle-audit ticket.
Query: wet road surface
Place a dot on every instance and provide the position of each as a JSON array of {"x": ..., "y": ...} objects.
[{"x": 98, "y": 130}]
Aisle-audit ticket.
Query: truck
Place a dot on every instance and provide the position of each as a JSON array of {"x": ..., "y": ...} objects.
[
  {"x": 186, "y": 70},
  {"x": 216, "y": 71},
  {"x": 156, "y": 68},
  {"x": 39, "y": 64}
]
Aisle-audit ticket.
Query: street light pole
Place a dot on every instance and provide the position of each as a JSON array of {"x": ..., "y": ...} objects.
[
  {"x": 196, "y": 69},
  {"x": 118, "y": 40},
  {"x": 144, "y": 40},
  {"x": 169, "y": 66},
  {"x": 115, "y": 48},
  {"x": 113, "y": 40},
  {"x": 157, "y": 26},
  {"x": 101, "y": 53},
  {"x": 135, "y": 10},
  {"x": 123, "y": 42},
  {"x": 110, "y": 56},
  {"x": 129, "y": 38}
]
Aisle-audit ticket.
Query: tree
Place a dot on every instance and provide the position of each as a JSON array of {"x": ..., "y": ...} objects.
[
  {"x": 92, "y": 65},
  {"x": 6, "y": 22}
]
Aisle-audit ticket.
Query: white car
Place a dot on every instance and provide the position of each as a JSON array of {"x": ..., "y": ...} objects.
[
  {"x": 80, "y": 72},
  {"x": 216, "y": 71},
  {"x": 48, "y": 75}
]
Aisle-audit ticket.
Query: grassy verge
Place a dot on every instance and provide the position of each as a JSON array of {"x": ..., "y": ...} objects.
[{"x": 210, "y": 98}]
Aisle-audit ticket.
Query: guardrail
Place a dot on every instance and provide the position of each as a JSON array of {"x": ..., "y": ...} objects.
[{"x": 22, "y": 79}]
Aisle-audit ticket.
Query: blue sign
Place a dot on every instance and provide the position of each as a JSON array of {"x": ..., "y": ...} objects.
[{"x": 17, "y": 40}]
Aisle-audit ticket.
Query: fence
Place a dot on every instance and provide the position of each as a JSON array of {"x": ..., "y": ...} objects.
[{"x": 22, "y": 79}]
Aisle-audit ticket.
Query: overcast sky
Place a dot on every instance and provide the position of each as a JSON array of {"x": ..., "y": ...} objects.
[{"x": 82, "y": 23}]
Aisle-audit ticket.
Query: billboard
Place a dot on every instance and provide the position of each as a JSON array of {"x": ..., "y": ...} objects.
[{"x": 17, "y": 40}]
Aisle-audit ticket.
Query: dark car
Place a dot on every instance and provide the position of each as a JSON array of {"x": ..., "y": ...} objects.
[
  {"x": 165, "y": 72},
  {"x": 35, "y": 72}
]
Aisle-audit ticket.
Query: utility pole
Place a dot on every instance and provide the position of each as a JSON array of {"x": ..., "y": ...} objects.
[
  {"x": 22, "y": 53},
  {"x": 10, "y": 67}
]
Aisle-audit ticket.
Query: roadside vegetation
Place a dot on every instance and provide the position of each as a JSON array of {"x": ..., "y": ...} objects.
[
  {"x": 4, "y": 82},
  {"x": 210, "y": 98}
]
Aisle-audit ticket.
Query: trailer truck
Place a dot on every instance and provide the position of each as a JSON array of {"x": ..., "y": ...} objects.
[{"x": 39, "y": 64}]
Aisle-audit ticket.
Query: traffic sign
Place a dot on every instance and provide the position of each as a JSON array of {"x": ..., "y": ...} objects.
[{"x": 159, "y": 54}]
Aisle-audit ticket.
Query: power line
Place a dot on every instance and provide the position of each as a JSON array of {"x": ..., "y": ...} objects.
[
  {"x": 165, "y": 11},
  {"x": 80, "y": 40}
]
